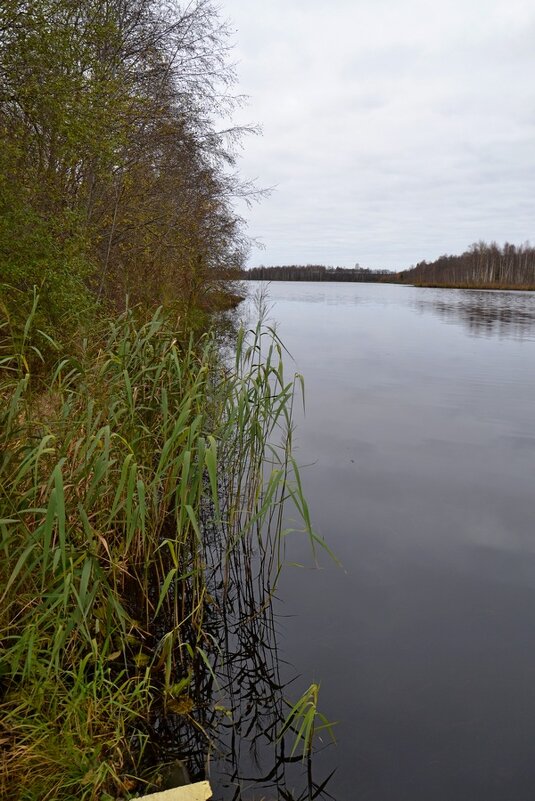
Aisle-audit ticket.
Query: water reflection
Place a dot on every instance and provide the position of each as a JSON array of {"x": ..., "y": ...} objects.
[
  {"x": 252, "y": 762},
  {"x": 500, "y": 314},
  {"x": 419, "y": 433},
  {"x": 506, "y": 315},
  {"x": 232, "y": 733}
]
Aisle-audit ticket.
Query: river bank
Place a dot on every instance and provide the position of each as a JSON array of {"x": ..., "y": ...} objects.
[
  {"x": 139, "y": 473},
  {"x": 497, "y": 287}
]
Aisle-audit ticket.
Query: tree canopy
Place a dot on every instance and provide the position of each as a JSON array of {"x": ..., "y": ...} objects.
[
  {"x": 114, "y": 177},
  {"x": 482, "y": 265}
]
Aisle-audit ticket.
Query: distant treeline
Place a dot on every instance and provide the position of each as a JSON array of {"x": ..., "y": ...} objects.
[
  {"x": 314, "y": 272},
  {"x": 486, "y": 266},
  {"x": 482, "y": 265}
]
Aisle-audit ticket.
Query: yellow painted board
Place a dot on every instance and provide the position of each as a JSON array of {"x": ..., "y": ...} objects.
[{"x": 200, "y": 791}]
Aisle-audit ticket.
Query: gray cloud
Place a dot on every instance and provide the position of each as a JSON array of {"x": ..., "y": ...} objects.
[{"x": 394, "y": 130}]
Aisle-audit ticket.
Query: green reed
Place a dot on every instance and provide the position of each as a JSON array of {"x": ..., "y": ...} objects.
[{"x": 114, "y": 465}]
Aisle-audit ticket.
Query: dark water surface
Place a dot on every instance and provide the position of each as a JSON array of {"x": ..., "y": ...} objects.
[{"x": 420, "y": 436}]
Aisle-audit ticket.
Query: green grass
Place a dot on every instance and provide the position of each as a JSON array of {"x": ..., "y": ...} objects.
[
  {"x": 304, "y": 720},
  {"x": 115, "y": 463}
]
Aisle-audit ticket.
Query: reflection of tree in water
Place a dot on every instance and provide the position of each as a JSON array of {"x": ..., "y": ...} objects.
[
  {"x": 486, "y": 314},
  {"x": 231, "y": 735}
]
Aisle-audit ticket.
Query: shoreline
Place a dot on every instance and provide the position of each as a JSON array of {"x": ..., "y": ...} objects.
[
  {"x": 418, "y": 284},
  {"x": 487, "y": 287}
]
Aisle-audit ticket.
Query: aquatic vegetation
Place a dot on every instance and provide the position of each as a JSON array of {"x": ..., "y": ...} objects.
[
  {"x": 121, "y": 470},
  {"x": 303, "y": 719}
]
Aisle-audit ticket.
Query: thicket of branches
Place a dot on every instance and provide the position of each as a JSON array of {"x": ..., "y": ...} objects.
[
  {"x": 113, "y": 176},
  {"x": 481, "y": 265}
]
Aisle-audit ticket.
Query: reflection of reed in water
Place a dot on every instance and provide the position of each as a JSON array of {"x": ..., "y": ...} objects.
[
  {"x": 504, "y": 315},
  {"x": 233, "y": 732},
  {"x": 253, "y": 756}
]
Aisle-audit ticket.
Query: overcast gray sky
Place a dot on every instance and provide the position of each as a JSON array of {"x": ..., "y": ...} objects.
[{"x": 393, "y": 130}]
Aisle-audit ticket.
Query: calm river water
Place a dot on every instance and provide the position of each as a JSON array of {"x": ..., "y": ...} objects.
[{"x": 419, "y": 434}]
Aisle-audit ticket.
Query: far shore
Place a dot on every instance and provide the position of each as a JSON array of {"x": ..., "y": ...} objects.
[
  {"x": 495, "y": 287},
  {"x": 431, "y": 284}
]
